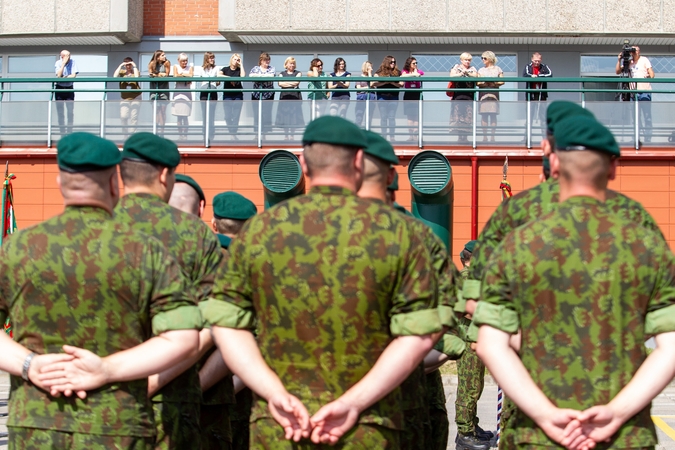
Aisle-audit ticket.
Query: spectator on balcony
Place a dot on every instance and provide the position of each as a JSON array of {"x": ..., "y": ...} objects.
[
  {"x": 388, "y": 100},
  {"x": 289, "y": 113},
  {"x": 318, "y": 91},
  {"x": 641, "y": 67},
  {"x": 265, "y": 92},
  {"x": 489, "y": 100},
  {"x": 340, "y": 94},
  {"x": 232, "y": 100},
  {"x": 461, "y": 118},
  {"x": 208, "y": 94},
  {"x": 182, "y": 101},
  {"x": 362, "y": 95},
  {"x": 131, "y": 97},
  {"x": 411, "y": 99},
  {"x": 65, "y": 67},
  {"x": 537, "y": 69},
  {"x": 160, "y": 67}
]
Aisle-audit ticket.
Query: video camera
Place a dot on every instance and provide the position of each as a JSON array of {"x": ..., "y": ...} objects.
[{"x": 626, "y": 55}]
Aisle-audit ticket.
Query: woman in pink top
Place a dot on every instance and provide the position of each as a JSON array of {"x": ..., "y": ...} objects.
[{"x": 411, "y": 98}]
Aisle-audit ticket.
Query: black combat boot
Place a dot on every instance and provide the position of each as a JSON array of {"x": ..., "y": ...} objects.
[
  {"x": 470, "y": 442},
  {"x": 484, "y": 435}
]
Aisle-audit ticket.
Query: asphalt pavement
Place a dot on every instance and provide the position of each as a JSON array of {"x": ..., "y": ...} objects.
[{"x": 663, "y": 411}]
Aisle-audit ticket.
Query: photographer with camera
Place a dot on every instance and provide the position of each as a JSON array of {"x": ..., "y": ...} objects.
[{"x": 637, "y": 66}]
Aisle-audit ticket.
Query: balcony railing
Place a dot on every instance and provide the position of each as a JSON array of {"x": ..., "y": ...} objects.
[{"x": 257, "y": 123}]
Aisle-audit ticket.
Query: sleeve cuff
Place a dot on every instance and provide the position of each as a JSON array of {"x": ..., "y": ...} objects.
[
  {"x": 460, "y": 306},
  {"x": 447, "y": 316},
  {"x": 450, "y": 345},
  {"x": 182, "y": 318},
  {"x": 227, "y": 315},
  {"x": 472, "y": 333},
  {"x": 497, "y": 316},
  {"x": 660, "y": 321},
  {"x": 471, "y": 289},
  {"x": 416, "y": 323}
]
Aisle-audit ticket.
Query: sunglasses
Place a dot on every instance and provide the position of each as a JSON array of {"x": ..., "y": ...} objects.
[
  {"x": 483, "y": 58},
  {"x": 393, "y": 62}
]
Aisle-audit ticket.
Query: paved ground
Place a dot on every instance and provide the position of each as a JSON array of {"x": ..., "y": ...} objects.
[{"x": 663, "y": 410}]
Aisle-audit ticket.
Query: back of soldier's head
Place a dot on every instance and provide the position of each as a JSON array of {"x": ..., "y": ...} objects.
[
  {"x": 330, "y": 144},
  {"x": 231, "y": 210},
  {"x": 379, "y": 156},
  {"x": 585, "y": 150},
  {"x": 187, "y": 195},
  {"x": 467, "y": 251}
]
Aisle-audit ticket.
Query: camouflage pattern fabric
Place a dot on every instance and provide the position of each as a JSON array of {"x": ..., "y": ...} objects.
[
  {"x": 470, "y": 383},
  {"x": 266, "y": 434},
  {"x": 36, "y": 439},
  {"x": 438, "y": 428},
  {"x": 599, "y": 279},
  {"x": 81, "y": 279},
  {"x": 240, "y": 416},
  {"x": 530, "y": 205},
  {"x": 415, "y": 412},
  {"x": 358, "y": 275},
  {"x": 177, "y": 425}
]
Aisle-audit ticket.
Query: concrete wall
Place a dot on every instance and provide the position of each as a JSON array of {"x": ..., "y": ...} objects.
[
  {"x": 122, "y": 18},
  {"x": 448, "y": 16}
]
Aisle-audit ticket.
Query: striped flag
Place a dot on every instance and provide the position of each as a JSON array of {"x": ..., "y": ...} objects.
[{"x": 8, "y": 221}]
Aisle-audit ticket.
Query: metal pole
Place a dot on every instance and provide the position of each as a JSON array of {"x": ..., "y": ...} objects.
[
  {"x": 637, "y": 123},
  {"x": 583, "y": 99},
  {"x": 528, "y": 125},
  {"x": 313, "y": 113},
  {"x": 419, "y": 124},
  {"x": 207, "y": 129},
  {"x": 260, "y": 121},
  {"x": 154, "y": 116},
  {"x": 102, "y": 132},
  {"x": 475, "y": 104},
  {"x": 368, "y": 110},
  {"x": 49, "y": 121}
]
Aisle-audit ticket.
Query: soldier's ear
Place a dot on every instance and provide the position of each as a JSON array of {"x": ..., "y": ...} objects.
[
  {"x": 612, "y": 168},
  {"x": 555, "y": 165},
  {"x": 303, "y": 165}
]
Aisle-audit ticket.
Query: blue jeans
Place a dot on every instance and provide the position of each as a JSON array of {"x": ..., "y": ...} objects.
[{"x": 388, "y": 105}]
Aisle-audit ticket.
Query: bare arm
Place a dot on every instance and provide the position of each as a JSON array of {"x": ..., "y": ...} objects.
[
  {"x": 434, "y": 360},
  {"x": 117, "y": 71},
  {"x": 397, "y": 361},
  {"x": 561, "y": 425},
  {"x": 213, "y": 370},
  {"x": 241, "y": 354},
  {"x": 159, "y": 380},
  {"x": 88, "y": 371}
]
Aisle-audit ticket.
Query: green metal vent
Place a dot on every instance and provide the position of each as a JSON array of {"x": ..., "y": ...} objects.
[
  {"x": 280, "y": 171},
  {"x": 429, "y": 172}
]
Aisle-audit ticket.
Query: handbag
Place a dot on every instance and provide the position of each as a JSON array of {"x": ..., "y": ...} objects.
[{"x": 450, "y": 93}]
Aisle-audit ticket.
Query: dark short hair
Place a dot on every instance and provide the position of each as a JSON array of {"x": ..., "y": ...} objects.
[{"x": 138, "y": 172}]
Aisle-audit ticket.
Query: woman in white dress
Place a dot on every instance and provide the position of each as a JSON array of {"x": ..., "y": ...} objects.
[{"x": 182, "y": 101}]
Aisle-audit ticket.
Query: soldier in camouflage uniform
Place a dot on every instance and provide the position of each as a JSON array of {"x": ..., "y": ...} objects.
[
  {"x": 601, "y": 285},
  {"x": 470, "y": 383},
  {"x": 148, "y": 172},
  {"x": 345, "y": 300},
  {"x": 230, "y": 212},
  {"x": 530, "y": 205},
  {"x": 81, "y": 279},
  {"x": 425, "y": 426},
  {"x": 188, "y": 196}
]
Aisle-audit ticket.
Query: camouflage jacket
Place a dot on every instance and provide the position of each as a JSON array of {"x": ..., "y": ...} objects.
[
  {"x": 83, "y": 280},
  {"x": 530, "y": 205},
  {"x": 600, "y": 286},
  {"x": 332, "y": 279},
  {"x": 196, "y": 249}
]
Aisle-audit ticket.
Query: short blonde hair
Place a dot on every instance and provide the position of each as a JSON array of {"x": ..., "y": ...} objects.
[
  {"x": 465, "y": 55},
  {"x": 182, "y": 57},
  {"x": 234, "y": 55},
  {"x": 490, "y": 56},
  {"x": 364, "y": 65},
  {"x": 290, "y": 59}
]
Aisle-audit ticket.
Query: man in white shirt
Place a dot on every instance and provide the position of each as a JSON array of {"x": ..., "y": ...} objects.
[
  {"x": 65, "y": 68},
  {"x": 641, "y": 67}
]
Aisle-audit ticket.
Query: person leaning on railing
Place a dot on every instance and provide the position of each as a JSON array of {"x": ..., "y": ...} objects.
[
  {"x": 232, "y": 100},
  {"x": 182, "y": 101},
  {"x": 289, "y": 114},
  {"x": 388, "y": 100},
  {"x": 265, "y": 92},
  {"x": 160, "y": 67},
  {"x": 208, "y": 95},
  {"x": 362, "y": 95},
  {"x": 318, "y": 88},
  {"x": 131, "y": 101},
  {"x": 461, "y": 118},
  {"x": 411, "y": 98}
]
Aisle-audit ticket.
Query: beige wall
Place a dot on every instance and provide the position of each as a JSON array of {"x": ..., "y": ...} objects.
[
  {"x": 121, "y": 18},
  {"x": 446, "y": 16}
]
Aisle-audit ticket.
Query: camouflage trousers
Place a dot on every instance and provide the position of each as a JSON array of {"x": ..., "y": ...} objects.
[
  {"x": 507, "y": 433},
  {"x": 266, "y": 434},
  {"x": 177, "y": 425},
  {"x": 240, "y": 418},
  {"x": 438, "y": 427},
  {"x": 470, "y": 382},
  {"x": 215, "y": 426},
  {"x": 37, "y": 439},
  {"x": 414, "y": 432}
]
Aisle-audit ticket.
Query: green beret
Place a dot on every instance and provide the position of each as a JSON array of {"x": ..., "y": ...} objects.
[
  {"x": 380, "y": 148},
  {"x": 334, "y": 130},
  {"x": 470, "y": 246},
  {"x": 146, "y": 147},
  {"x": 582, "y": 133},
  {"x": 231, "y": 205},
  {"x": 394, "y": 184},
  {"x": 82, "y": 152},
  {"x": 180, "y": 178},
  {"x": 560, "y": 109}
]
